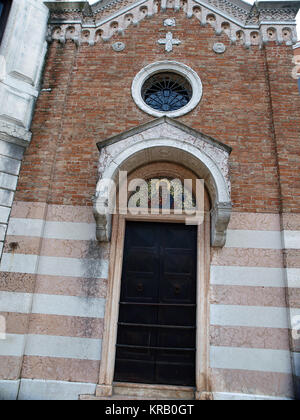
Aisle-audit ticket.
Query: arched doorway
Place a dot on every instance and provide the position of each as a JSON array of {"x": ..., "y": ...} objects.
[
  {"x": 162, "y": 228},
  {"x": 169, "y": 152}
]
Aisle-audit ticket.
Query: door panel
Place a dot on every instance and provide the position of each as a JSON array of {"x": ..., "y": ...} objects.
[
  {"x": 157, "y": 317},
  {"x": 170, "y": 315},
  {"x": 140, "y": 287}
]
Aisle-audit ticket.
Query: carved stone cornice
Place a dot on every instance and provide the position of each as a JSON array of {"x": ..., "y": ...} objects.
[
  {"x": 242, "y": 23},
  {"x": 238, "y": 9},
  {"x": 104, "y": 5},
  {"x": 66, "y": 6}
]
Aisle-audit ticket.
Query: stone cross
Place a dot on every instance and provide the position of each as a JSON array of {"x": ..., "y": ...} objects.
[{"x": 169, "y": 41}]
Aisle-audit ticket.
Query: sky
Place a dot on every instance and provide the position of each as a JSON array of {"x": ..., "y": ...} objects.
[{"x": 248, "y": 1}]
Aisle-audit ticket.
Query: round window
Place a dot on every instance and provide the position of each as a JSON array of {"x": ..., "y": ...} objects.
[
  {"x": 166, "y": 92},
  {"x": 167, "y": 88}
]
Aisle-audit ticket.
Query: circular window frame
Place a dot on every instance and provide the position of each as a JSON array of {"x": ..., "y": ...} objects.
[{"x": 172, "y": 67}]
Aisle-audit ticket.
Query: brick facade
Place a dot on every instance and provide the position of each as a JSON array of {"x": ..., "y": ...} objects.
[
  {"x": 56, "y": 277},
  {"x": 87, "y": 82}
]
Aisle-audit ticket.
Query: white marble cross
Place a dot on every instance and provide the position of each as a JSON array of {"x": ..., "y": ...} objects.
[{"x": 169, "y": 41}]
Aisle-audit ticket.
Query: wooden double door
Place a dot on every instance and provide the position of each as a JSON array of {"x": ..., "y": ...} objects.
[{"x": 157, "y": 314}]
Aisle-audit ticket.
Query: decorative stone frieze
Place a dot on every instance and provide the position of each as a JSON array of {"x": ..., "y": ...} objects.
[{"x": 241, "y": 22}]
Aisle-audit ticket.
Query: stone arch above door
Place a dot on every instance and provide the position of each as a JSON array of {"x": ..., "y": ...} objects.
[{"x": 166, "y": 140}]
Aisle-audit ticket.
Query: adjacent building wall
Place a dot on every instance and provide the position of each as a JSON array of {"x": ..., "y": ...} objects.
[{"x": 22, "y": 53}]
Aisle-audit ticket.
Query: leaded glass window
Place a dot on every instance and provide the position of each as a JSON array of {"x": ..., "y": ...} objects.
[{"x": 166, "y": 91}]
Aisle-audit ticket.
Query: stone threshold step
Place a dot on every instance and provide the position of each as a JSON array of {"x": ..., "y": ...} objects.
[
  {"x": 155, "y": 392},
  {"x": 137, "y": 391},
  {"x": 115, "y": 398}
]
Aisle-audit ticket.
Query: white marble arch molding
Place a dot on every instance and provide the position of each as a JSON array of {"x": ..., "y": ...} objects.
[{"x": 165, "y": 139}]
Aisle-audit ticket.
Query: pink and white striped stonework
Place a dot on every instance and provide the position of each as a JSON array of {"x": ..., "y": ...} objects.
[
  {"x": 53, "y": 291},
  {"x": 254, "y": 296}
]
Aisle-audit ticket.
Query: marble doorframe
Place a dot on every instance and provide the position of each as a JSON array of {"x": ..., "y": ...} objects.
[{"x": 106, "y": 384}]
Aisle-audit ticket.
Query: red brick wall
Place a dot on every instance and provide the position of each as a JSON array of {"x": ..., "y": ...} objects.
[
  {"x": 285, "y": 103},
  {"x": 91, "y": 100},
  {"x": 297, "y": 62}
]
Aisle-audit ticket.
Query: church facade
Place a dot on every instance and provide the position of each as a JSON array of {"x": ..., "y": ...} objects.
[{"x": 109, "y": 288}]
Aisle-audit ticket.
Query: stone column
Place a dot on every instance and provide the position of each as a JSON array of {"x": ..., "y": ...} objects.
[{"x": 22, "y": 53}]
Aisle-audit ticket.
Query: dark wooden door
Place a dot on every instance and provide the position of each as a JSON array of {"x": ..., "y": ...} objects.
[{"x": 157, "y": 318}]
